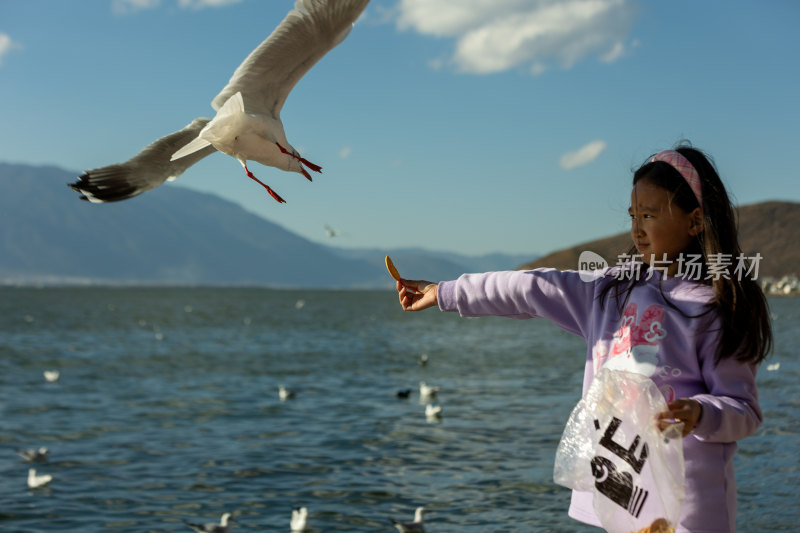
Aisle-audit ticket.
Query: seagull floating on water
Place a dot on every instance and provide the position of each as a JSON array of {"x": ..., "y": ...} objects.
[
  {"x": 773, "y": 367},
  {"x": 299, "y": 519},
  {"x": 224, "y": 525},
  {"x": 427, "y": 391},
  {"x": 52, "y": 375},
  {"x": 411, "y": 527},
  {"x": 433, "y": 412},
  {"x": 247, "y": 125},
  {"x": 35, "y": 456},
  {"x": 36, "y": 481},
  {"x": 285, "y": 394}
]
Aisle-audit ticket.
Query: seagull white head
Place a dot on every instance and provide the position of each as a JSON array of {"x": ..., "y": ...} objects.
[{"x": 418, "y": 513}]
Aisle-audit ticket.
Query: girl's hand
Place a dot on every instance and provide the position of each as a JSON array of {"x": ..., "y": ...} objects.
[
  {"x": 683, "y": 410},
  {"x": 417, "y": 295}
]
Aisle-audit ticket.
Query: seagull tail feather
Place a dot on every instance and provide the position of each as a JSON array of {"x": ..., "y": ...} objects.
[
  {"x": 198, "y": 143},
  {"x": 233, "y": 105}
]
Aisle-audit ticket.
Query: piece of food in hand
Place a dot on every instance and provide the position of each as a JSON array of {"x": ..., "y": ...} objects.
[{"x": 392, "y": 270}]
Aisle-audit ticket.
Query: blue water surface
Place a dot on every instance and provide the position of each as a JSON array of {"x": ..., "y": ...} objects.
[{"x": 167, "y": 410}]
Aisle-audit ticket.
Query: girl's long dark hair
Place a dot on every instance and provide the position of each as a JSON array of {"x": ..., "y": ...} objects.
[{"x": 746, "y": 331}]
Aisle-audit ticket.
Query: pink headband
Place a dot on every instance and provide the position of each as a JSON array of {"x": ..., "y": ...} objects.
[{"x": 682, "y": 165}]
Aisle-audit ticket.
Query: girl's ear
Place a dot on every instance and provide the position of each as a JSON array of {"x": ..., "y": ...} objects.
[{"x": 696, "y": 222}]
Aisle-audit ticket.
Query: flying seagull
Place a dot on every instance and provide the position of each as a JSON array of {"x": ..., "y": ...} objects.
[
  {"x": 247, "y": 125},
  {"x": 331, "y": 232}
]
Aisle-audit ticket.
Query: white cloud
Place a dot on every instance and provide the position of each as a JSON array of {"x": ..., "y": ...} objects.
[
  {"x": 497, "y": 35},
  {"x": 344, "y": 153},
  {"x": 201, "y": 4},
  {"x": 7, "y": 45},
  {"x": 614, "y": 53},
  {"x": 583, "y": 155},
  {"x": 125, "y": 7}
]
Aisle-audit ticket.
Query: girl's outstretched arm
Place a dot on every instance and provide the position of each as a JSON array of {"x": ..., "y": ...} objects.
[{"x": 417, "y": 295}]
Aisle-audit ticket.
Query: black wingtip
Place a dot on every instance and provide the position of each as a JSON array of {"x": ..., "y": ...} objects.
[
  {"x": 80, "y": 180},
  {"x": 76, "y": 187}
]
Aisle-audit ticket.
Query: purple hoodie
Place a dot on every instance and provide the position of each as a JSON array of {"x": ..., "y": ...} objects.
[{"x": 652, "y": 338}]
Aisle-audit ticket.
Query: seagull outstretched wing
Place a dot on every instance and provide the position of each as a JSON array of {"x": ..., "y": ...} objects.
[
  {"x": 307, "y": 33},
  {"x": 146, "y": 170}
]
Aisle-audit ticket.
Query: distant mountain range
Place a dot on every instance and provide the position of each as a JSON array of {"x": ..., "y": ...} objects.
[
  {"x": 174, "y": 235},
  {"x": 767, "y": 228}
]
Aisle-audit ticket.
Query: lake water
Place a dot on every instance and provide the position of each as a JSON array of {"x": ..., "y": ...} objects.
[{"x": 167, "y": 410}]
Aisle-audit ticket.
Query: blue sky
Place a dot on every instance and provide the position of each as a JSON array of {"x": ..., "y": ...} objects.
[{"x": 471, "y": 126}]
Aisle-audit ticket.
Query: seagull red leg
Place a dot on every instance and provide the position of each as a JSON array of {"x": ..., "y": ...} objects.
[
  {"x": 306, "y": 162},
  {"x": 312, "y": 166},
  {"x": 269, "y": 190}
]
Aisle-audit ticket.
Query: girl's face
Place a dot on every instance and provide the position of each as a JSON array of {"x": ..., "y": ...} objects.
[{"x": 658, "y": 226}]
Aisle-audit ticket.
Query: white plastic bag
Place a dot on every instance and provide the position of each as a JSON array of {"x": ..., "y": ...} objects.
[{"x": 612, "y": 447}]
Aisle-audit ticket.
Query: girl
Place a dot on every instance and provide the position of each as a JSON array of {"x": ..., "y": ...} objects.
[{"x": 684, "y": 311}]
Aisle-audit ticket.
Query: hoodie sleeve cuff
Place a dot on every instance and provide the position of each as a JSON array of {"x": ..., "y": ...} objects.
[{"x": 446, "y": 296}]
